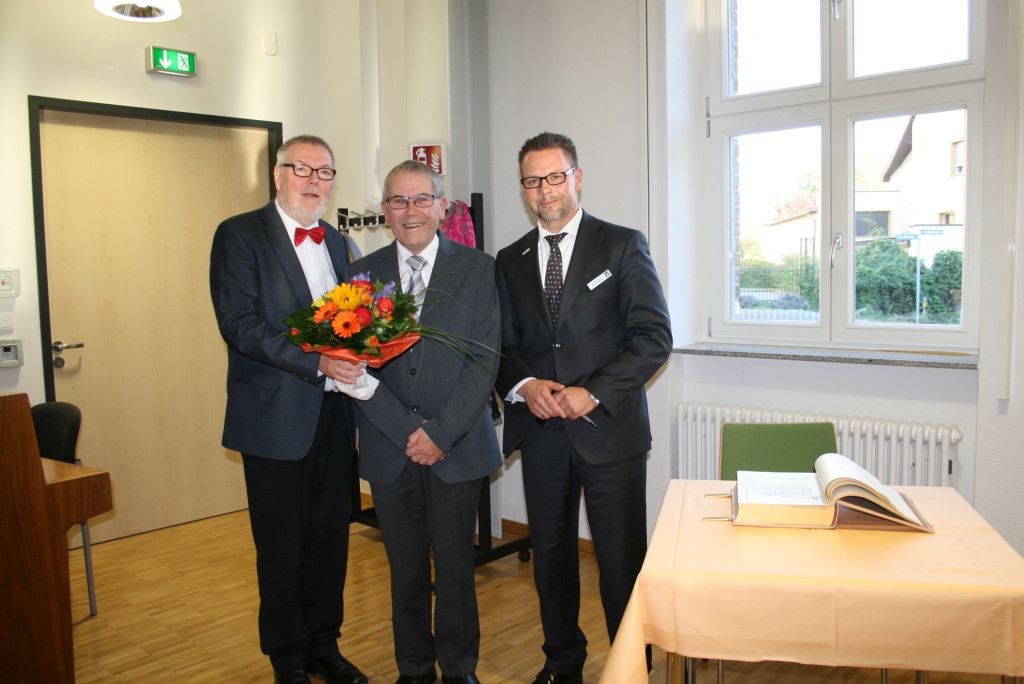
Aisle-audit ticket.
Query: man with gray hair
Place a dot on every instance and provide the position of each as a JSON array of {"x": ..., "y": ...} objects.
[{"x": 427, "y": 441}]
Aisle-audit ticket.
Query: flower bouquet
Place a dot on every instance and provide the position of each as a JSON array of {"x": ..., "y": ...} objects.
[
  {"x": 358, "y": 321},
  {"x": 363, "y": 320}
]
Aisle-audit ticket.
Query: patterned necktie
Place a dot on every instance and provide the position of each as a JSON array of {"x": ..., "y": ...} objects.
[
  {"x": 553, "y": 276},
  {"x": 315, "y": 234},
  {"x": 416, "y": 287}
]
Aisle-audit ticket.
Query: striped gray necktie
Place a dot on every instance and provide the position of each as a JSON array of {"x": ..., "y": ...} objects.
[{"x": 416, "y": 285}]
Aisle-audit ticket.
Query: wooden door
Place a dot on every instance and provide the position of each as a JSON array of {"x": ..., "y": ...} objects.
[{"x": 130, "y": 210}]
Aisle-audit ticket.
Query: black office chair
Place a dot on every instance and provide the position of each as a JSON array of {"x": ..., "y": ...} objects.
[{"x": 57, "y": 424}]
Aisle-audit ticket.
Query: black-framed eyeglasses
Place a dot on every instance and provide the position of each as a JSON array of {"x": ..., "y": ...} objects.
[
  {"x": 557, "y": 178},
  {"x": 422, "y": 200},
  {"x": 305, "y": 171}
]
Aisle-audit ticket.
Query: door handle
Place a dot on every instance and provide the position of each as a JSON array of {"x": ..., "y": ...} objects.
[{"x": 59, "y": 346}]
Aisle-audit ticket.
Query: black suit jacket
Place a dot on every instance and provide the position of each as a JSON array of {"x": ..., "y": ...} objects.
[
  {"x": 612, "y": 335},
  {"x": 431, "y": 382},
  {"x": 256, "y": 280}
]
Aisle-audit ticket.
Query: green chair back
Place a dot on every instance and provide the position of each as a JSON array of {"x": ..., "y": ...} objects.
[{"x": 774, "y": 447}]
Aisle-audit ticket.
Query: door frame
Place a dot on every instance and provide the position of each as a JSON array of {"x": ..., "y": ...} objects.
[{"x": 36, "y": 106}]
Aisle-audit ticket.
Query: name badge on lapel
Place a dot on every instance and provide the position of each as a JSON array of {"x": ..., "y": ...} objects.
[{"x": 599, "y": 279}]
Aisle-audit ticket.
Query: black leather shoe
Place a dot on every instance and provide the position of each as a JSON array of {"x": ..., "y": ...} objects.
[
  {"x": 461, "y": 679},
  {"x": 547, "y": 676},
  {"x": 291, "y": 677},
  {"x": 428, "y": 678},
  {"x": 336, "y": 670}
]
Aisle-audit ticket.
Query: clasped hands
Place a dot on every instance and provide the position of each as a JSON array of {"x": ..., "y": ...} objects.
[
  {"x": 419, "y": 447},
  {"x": 550, "y": 399}
]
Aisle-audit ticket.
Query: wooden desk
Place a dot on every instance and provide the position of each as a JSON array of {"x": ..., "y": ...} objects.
[
  {"x": 39, "y": 501},
  {"x": 73, "y": 493},
  {"x": 952, "y": 601}
]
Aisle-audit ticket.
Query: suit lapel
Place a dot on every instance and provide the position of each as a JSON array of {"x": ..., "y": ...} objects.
[
  {"x": 337, "y": 249},
  {"x": 277, "y": 237},
  {"x": 584, "y": 253},
  {"x": 528, "y": 274}
]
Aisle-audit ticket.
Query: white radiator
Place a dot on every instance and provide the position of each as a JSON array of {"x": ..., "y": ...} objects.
[{"x": 896, "y": 452}]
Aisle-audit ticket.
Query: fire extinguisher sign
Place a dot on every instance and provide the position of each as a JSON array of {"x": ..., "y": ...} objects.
[{"x": 433, "y": 156}]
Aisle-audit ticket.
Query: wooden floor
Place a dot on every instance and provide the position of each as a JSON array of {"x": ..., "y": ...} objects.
[{"x": 179, "y": 605}]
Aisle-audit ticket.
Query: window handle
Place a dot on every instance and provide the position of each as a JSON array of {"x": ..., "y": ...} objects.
[
  {"x": 835, "y": 9},
  {"x": 837, "y": 243}
]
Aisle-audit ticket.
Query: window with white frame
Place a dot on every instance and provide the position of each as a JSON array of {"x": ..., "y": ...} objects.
[{"x": 839, "y": 134}]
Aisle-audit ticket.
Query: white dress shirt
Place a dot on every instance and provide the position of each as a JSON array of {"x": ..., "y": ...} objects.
[
  {"x": 316, "y": 265},
  {"x": 429, "y": 255},
  {"x": 543, "y": 252}
]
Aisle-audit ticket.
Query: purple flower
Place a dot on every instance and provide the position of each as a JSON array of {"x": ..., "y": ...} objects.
[{"x": 362, "y": 276}]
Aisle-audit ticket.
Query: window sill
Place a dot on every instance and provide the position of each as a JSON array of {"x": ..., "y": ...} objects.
[{"x": 947, "y": 360}]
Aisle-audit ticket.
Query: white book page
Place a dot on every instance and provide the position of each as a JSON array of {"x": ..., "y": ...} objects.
[
  {"x": 833, "y": 467},
  {"x": 789, "y": 489}
]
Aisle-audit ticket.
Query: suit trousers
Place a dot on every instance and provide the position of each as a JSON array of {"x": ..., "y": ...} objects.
[
  {"x": 616, "y": 503},
  {"x": 299, "y": 512},
  {"x": 418, "y": 512}
]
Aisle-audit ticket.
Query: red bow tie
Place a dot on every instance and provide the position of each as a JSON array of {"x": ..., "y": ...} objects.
[{"x": 315, "y": 234}]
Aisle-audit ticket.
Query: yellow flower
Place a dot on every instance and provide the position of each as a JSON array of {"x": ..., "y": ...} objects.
[{"x": 346, "y": 296}]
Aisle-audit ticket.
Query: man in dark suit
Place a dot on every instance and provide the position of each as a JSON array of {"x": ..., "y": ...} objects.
[
  {"x": 584, "y": 326},
  {"x": 294, "y": 431},
  {"x": 427, "y": 440}
]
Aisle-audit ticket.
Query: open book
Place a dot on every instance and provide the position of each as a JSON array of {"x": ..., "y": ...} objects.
[{"x": 838, "y": 494}]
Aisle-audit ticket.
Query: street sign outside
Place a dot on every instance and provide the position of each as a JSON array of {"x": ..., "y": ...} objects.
[{"x": 168, "y": 61}]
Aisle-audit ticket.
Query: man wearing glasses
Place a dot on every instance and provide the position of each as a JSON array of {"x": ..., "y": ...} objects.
[
  {"x": 584, "y": 327},
  {"x": 294, "y": 431},
  {"x": 427, "y": 440}
]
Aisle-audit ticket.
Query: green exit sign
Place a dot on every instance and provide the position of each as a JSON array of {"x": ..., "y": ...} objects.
[{"x": 168, "y": 61}]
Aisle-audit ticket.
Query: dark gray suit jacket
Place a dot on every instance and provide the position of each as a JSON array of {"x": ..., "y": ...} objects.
[
  {"x": 431, "y": 382},
  {"x": 613, "y": 334},
  {"x": 256, "y": 280}
]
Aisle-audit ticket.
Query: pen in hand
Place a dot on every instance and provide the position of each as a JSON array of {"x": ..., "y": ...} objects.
[{"x": 587, "y": 418}]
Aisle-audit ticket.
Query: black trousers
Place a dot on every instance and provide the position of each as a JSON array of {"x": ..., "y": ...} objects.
[
  {"x": 418, "y": 513},
  {"x": 299, "y": 512},
  {"x": 616, "y": 504}
]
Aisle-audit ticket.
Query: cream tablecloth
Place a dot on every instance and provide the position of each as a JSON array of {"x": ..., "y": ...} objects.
[{"x": 951, "y": 601}]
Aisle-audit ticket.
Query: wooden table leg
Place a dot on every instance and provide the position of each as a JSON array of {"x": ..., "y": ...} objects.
[{"x": 677, "y": 669}]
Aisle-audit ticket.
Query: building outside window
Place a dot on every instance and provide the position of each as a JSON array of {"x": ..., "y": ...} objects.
[{"x": 839, "y": 136}]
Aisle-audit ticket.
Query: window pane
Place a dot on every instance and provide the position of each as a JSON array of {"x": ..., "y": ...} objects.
[
  {"x": 773, "y": 45},
  {"x": 909, "y": 267},
  {"x": 776, "y": 184},
  {"x": 895, "y": 35}
]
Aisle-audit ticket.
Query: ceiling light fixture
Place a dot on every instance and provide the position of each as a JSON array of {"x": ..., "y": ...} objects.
[{"x": 143, "y": 10}]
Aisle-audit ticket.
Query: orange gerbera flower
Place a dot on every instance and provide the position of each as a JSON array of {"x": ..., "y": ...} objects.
[
  {"x": 324, "y": 312},
  {"x": 345, "y": 324},
  {"x": 373, "y": 341}
]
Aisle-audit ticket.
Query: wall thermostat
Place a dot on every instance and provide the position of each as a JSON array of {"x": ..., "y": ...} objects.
[{"x": 10, "y": 353}]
